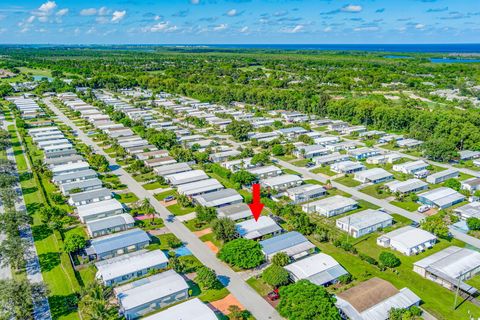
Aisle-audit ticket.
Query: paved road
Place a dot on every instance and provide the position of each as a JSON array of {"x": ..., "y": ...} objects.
[
  {"x": 41, "y": 307},
  {"x": 379, "y": 202},
  {"x": 248, "y": 297}
]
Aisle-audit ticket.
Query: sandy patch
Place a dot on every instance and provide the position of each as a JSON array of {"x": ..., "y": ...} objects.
[
  {"x": 212, "y": 246},
  {"x": 203, "y": 232},
  {"x": 223, "y": 304}
]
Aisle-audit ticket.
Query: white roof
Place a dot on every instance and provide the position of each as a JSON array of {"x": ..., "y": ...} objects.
[
  {"x": 186, "y": 177},
  {"x": 251, "y": 229},
  {"x": 193, "y": 309},
  {"x": 98, "y": 207},
  {"x": 373, "y": 174},
  {"x": 442, "y": 196},
  {"x": 199, "y": 187},
  {"x": 129, "y": 263},
  {"x": 312, "y": 265},
  {"x": 264, "y": 170},
  {"x": 406, "y": 186},
  {"x": 70, "y": 166},
  {"x": 404, "y": 299},
  {"x": 59, "y": 147},
  {"x": 410, "y": 237},
  {"x": 279, "y": 180},
  {"x": 149, "y": 289},
  {"x": 332, "y": 203},
  {"x": 365, "y": 218},
  {"x": 306, "y": 188}
]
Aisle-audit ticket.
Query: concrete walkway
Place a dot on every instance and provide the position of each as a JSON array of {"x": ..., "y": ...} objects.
[
  {"x": 41, "y": 308},
  {"x": 248, "y": 297}
]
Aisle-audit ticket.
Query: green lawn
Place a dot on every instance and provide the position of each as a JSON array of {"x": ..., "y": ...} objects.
[
  {"x": 128, "y": 197},
  {"x": 211, "y": 237},
  {"x": 145, "y": 177},
  {"x": 259, "y": 286},
  {"x": 195, "y": 225},
  {"x": 407, "y": 205},
  {"x": 312, "y": 181},
  {"x": 160, "y": 196},
  {"x": 301, "y": 163},
  {"x": 286, "y": 157},
  {"x": 154, "y": 185},
  {"x": 373, "y": 191},
  {"x": 178, "y": 210},
  {"x": 324, "y": 170},
  {"x": 290, "y": 171},
  {"x": 348, "y": 181}
]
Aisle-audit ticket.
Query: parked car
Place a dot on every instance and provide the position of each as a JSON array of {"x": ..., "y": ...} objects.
[
  {"x": 272, "y": 296},
  {"x": 169, "y": 198},
  {"x": 423, "y": 208},
  {"x": 309, "y": 165}
]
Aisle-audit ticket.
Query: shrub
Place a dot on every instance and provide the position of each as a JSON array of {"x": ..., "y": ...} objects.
[
  {"x": 242, "y": 253},
  {"x": 389, "y": 260},
  {"x": 275, "y": 276},
  {"x": 281, "y": 259}
]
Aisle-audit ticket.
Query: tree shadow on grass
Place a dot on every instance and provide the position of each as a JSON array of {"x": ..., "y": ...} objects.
[
  {"x": 49, "y": 260},
  {"x": 29, "y": 190},
  {"x": 32, "y": 207},
  {"x": 62, "y": 305},
  {"x": 41, "y": 232},
  {"x": 25, "y": 176}
]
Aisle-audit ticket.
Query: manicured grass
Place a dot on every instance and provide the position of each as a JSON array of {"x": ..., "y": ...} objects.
[
  {"x": 290, "y": 171},
  {"x": 213, "y": 294},
  {"x": 128, "y": 197},
  {"x": 148, "y": 224},
  {"x": 178, "y": 210},
  {"x": 301, "y": 163},
  {"x": 160, "y": 242},
  {"x": 195, "y": 225},
  {"x": 259, "y": 286},
  {"x": 144, "y": 177},
  {"x": 162, "y": 195},
  {"x": 373, "y": 191},
  {"x": 154, "y": 185},
  {"x": 87, "y": 275},
  {"x": 211, "y": 237},
  {"x": 17, "y": 150},
  {"x": 475, "y": 281},
  {"x": 312, "y": 181},
  {"x": 407, "y": 205},
  {"x": 348, "y": 181},
  {"x": 286, "y": 157},
  {"x": 324, "y": 170},
  {"x": 463, "y": 176},
  {"x": 36, "y": 72}
]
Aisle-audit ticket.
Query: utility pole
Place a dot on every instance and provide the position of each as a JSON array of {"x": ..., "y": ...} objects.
[{"x": 456, "y": 293}]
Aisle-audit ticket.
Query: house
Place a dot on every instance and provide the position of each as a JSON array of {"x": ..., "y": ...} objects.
[
  {"x": 373, "y": 299},
  {"x": 152, "y": 154},
  {"x": 74, "y": 176},
  {"x": 408, "y": 186},
  {"x": 409, "y": 143},
  {"x": 442, "y": 176},
  {"x": 347, "y": 167},
  {"x": 223, "y": 156},
  {"x": 172, "y": 169},
  {"x": 363, "y": 153},
  {"x": 331, "y": 158},
  {"x": 65, "y": 147},
  {"x": 186, "y": 177},
  {"x": 337, "y": 125},
  {"x": 328, "y": 140},
  {"x": 156, "y": 162},
  {"x": 193, "y": 309},
  {"x": 294, "y": 244},
  {"x": 97, "y": 210},
  {"x": 60, "y": 153},
  {"x": 450, "y": 268},
  {"x": 331, "y": 206},
  {"x": 81, "y": 198},
  {"x": 345, "y": 145},
  {"x": 111, "y": 224},
  {"x": 80, "y": 186},
  {"x": 70, "y": 167},
  {"x": 411, "y": 167},
  {"x": 265, "y": 172},
  {"x": 239, "y": 164},
  {"x": 144, "y": 296},
  {"x": 235, "y": 212},
  {"x": 442, "y": 197},
  {"x": 472, "y": 185},
  {"x": 375, "y": 176},
  {"x": 292, "y": 132},
  {"x": 282, "y": 182},
  {"x": 384, "y": 158},
  {"x": 353, "y": 129},
  {"x": 130, "y": 266},
  {"x": 470, "y": 210},
  {"x": 116, "y": 244},
  {"x": 219, "y": 198},
  {"x": 468, "y": 155},
  {"x": 407, "y": 240},
  {"x": 64, "y": 160},
  {"x": 251, "y": 229},
  {"x": 364, "y": 222},
  {"x": 306, "y": 192},
  {"x": 310, "y": 151},
  {"x": 320, "y": 269},
  {"x": 199, "y": 187}
]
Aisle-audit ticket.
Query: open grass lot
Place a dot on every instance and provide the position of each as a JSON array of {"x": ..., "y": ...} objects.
[
  {"x": 128, "y": 197},
  {"x": 407, "y": 205},
  {"x": 290, "y": 171},
  {"x": 324, "y": 170},
  {"x": 36, "y": 72},
  {"x": 287, "y": 158},
  {"x": 195, "y": 225},
  {"x": 301, "y": 163},
  {"x": 154, "y": 185},
  {"x": 437, "y": 300},
  {"x": 144, "y": 177},
  {"x": 259, "y": 285},
  {"x": 162, "y": 195},
  {"x": 373, "y": 191},
  {"x": 17, "y": 150},
  {"x": 348, "y": 181},
  {"x": 211, "y": 237},
  {"x": 178, "y": 210}
]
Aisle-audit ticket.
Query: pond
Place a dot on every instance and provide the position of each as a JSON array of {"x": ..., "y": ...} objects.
[
  {"x": 451, "y": 60},
  {"x": 39, "y": 78}
]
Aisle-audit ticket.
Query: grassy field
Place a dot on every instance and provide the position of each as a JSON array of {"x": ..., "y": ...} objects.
[
  {"x": 36, "y": 72},
  {"x": 348, "y": 181},
  {"x": 407, "y": 205},
  {"x": 324, "y": 170},
  {"x": 178, "y": 210},
  {"x": 372, "y": 191}
]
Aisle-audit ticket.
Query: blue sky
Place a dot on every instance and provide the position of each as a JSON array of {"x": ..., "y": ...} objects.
[{"x": 239, "y": 21}]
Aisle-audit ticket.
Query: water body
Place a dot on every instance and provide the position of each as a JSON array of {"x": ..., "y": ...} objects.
[
  {"x": 450, "y": 60},
  {"x": 40, "y": 78}
]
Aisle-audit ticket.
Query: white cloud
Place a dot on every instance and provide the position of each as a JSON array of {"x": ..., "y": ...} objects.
[
  {"x": 220, "y": 27},
  {"x": 62, "y": 12},
  {"x": 232, "y": 13},
  {"x": 298, "y": 28},
  {"x": 163, "y": 26},
  {"x": 30, "y": 19},
  {"x": 195, "y": 1},
  {"x": 118, "y": 16},
  {"x": 419, "y": 26},
  {"x": 88, "y": 12},
  {"x": 47, "y": 7},
  {"x": 366, "y": 29},
  {"x": 328, "y": 29},
  {"x": 352, "y": 8},
  {"x": 103, "y": 11},
  {"x": 157, "y": 18},
  {"x": 244, "y": 29}
]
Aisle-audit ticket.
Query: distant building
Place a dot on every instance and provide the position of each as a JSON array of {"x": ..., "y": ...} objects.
[
  {"x": 407, "y": 240},
  {"x": 408, "y": 186},
  {"x": 375, "y": 176},
  {"x": 283, "y": 182},
  {"x": 364, "y": 222},
  {"x": 442, "y": 197},
  {"x": 306, "y": 192},
  {"x": 442, "y": 176},
  {"x": 330, "y": 206}
]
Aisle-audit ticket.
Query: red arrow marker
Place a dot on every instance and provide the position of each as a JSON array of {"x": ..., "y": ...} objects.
[{"x": 256, "y": 206}]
